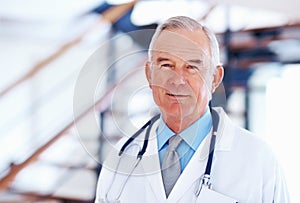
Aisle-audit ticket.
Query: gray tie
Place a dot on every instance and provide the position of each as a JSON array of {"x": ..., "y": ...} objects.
[{"x": 171, "y": 164}]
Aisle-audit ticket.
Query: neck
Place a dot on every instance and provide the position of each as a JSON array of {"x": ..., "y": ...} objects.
[{"x": 180, "y": 123}]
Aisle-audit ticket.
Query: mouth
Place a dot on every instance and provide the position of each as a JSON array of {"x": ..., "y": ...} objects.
[{"x": 177, "y": 96}]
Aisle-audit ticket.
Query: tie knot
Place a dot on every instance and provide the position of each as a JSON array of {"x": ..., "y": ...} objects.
[{"x": 174, "y": 141}]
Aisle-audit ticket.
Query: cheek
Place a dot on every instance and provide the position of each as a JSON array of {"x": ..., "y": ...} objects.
[
  {"x": 155, "y": 92},
  {"x": 201, "y": 90},
  {"x": 158, "y": 96},
  {"x": 158, "y": 81}
]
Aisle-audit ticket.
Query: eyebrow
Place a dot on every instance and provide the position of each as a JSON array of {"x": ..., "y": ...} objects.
[
  {"x": 197, "y": 61},
  {"x": 162, "y": 59}
]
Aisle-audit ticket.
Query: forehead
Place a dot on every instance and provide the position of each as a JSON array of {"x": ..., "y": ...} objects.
[{"x": 184, "y": 44}]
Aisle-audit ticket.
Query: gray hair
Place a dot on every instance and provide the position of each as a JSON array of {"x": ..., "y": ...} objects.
[{"x": 183, "y": 22}]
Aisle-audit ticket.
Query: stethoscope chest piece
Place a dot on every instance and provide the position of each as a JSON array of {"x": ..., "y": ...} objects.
[{"x": 203, "y": 182}]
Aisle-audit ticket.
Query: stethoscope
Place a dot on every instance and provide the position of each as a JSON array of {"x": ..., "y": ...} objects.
[{"x": 203, "y": 181}]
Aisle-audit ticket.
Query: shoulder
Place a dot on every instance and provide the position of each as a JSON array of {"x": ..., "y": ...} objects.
[
  {"x": 247, "y": 141},
  {"x": 243, "y": 142}
]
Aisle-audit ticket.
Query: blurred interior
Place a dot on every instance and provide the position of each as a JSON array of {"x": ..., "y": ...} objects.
[{"x": 72, "y": 83}]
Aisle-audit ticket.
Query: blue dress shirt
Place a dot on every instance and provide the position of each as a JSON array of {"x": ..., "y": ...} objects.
[{"x": 192, "y": 138}]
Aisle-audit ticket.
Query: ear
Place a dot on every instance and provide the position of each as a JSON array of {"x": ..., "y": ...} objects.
[
  {"x": 148, "y": 73},
  {"x": 217, "y": 78}
]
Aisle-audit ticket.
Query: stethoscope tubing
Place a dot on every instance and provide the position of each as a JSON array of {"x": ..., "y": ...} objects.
[{"x": 149, "y": 124}]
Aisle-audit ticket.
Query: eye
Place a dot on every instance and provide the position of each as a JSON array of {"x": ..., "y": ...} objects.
[
  {"x": 193, "y": 68},
  {"x": 166, "y": 65}
]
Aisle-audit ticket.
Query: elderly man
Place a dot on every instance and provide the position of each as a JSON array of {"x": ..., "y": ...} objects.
[{"x": 191, "y": 153}]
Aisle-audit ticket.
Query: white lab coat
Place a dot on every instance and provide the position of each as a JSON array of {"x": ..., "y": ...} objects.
[{"x": 243, "y": 168}]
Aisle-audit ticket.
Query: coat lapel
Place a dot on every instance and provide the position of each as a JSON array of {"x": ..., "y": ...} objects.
[
  {"x": 151, "y": 166},
  {"x": 225, "y": 134},
  {"x": 192, "y": 173}
]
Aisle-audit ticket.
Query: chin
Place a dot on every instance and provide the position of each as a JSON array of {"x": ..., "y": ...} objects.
[{"x": 178, "y": 111}]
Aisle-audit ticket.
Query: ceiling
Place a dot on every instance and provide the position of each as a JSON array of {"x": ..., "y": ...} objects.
[
  {"x": 56, "y": 9},
  {"x": 289, "y": 8}
]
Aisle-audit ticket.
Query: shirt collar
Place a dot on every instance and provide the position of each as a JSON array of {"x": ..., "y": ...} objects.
[
  {"x": 163, "y": 134},
  {"x": 193, "y": 135}
]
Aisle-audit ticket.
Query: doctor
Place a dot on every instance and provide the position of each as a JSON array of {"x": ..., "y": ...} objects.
[{"x": 168, "y": 161}]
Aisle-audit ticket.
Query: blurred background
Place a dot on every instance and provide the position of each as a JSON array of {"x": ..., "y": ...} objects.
[{"x": 72, "y": 83}]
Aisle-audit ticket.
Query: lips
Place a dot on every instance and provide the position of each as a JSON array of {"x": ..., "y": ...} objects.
[{"x": 177, "y": 95}]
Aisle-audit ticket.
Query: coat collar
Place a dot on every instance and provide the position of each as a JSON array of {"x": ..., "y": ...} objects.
[{"x": 225, "y": 134}]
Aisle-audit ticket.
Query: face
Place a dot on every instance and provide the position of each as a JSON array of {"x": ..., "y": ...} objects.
[{"x": 179, "y": 73}]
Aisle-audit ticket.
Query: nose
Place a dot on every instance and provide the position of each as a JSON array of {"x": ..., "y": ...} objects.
[{"x": 177, "y": 77}]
